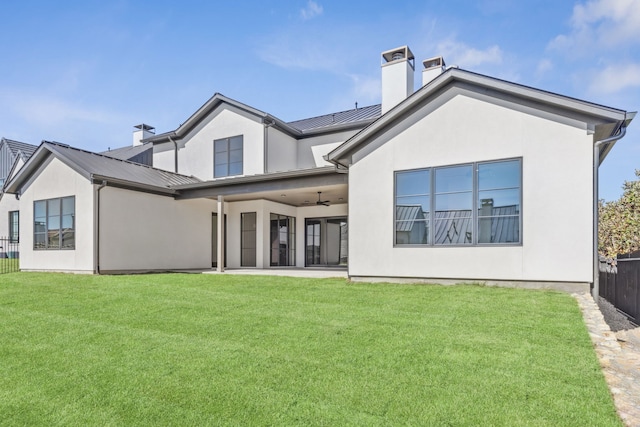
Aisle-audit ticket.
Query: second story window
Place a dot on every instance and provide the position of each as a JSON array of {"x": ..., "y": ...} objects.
[{"x": 227, "y": 156}]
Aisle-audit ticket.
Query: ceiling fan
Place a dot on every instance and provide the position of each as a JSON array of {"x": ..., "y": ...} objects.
[{"x": 321, "y": 202}]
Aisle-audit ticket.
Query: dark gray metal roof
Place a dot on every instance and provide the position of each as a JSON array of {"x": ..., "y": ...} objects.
[
  {"x": 97, "y": 167},
  {"x": 18, "y": 148},
  {"x": 127, "y": 153},
  {"x": 370, "y": 112},
  {"x": 335, "y": 122},
  {"x": 142, "y": 154}
]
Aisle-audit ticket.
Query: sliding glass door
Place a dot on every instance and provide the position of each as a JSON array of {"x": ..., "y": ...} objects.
[{"x": 326, "y": 241}]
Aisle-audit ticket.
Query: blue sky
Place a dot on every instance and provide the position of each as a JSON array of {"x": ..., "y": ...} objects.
[{"x": 85, "y": 72}]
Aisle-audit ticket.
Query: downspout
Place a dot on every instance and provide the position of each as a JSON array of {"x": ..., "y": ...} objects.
[
  {"x": 265, "y": 147},
  {"x": 97, "y": 225},
  {"x": 175, "y": 156},
  {"x": 596, "y": 164}
]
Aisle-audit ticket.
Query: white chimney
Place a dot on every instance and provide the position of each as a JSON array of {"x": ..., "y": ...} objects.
[
  {"x": 141, "y": 132},
  {"x": 398, "y": 66},
  {"x": 433, "y": 67}
]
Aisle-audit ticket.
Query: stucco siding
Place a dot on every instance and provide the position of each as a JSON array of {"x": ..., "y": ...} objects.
[
  {"x": 140, "y": 231},
  {"x": 195, "y": 155},
  {"x": 312, "y": 150},
  {"x": 164, "y": 157},
  {"x": 556, "y": 194},
  {"x": 56, "y": 179},
  {"x": 282, "y": 151}
]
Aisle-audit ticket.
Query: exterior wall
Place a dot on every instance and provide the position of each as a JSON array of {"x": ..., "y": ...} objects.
[
  {"x": 195, "y": 154},
  {"x": 282, "y": 151},
  {"x": 312, "y": 150},
  {"x": 56, "y": 179},
  {"x": 556, "y": 195},
  {"x": 164, "y": 156},
  {"x": 144, "y": 232}
]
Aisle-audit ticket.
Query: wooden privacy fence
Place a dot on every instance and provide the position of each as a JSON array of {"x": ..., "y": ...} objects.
[
  {"x": 620, "y": 285},
  {"x": 9, "y": 256}
]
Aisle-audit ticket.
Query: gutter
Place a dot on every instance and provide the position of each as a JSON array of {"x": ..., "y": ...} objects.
[
  {"x": 622, "y": 130},
  {"x": 97, "y": 225}
]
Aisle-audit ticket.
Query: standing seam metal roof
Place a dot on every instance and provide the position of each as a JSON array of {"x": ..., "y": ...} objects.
[
  {"x": 109, "y": 167},
  {"x": 126, "y": 153},
  {"x": 339, "y": 118},
  {"x": 17, "y": 147}
]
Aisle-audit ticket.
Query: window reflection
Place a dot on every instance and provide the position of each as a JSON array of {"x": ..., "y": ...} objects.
[{"x": 496, "y": 198}]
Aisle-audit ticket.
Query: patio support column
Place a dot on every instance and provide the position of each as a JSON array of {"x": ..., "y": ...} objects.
[{"x": 221, "y": 230}]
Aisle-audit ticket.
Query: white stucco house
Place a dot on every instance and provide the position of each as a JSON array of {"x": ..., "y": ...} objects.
[{"x": 469, "y": 178}]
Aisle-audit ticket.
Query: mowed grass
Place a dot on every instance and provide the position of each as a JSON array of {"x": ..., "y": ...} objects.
[
  {"x": 8, "y": 265},
  {"x": 249, "y": 350}
]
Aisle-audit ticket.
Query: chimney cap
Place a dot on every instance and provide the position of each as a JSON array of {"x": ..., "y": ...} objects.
[
  {"x": 435, "y": 62},
  {"x": 144, "y": 127},
  {"x": 398, "y": 54}
]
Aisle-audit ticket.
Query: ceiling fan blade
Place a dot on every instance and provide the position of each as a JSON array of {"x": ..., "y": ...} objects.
[{"x": 322, "y": 202}]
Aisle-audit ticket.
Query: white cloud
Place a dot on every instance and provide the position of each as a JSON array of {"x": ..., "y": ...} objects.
[
  {"x": 288, "y": 53},
  {"x": 544, "y": 66},
  {"x": 600, "y": 24},
  {"x": 45, "y": 110},
  {"x": 468, "y": 57},
  {"x": 613, "y": 79},
  {"x": 312, "y": 10},
  {"x": 366, "y": 89}
]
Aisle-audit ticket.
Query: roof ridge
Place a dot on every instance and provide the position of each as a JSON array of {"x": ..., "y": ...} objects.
[{"x": 60, "y": 144}]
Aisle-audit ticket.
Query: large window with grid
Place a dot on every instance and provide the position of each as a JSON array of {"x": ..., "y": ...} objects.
[
  {"x": 227, "y": 156},
  {"x": 54, "y": 223},
  {"x": 470, "y": 204}
]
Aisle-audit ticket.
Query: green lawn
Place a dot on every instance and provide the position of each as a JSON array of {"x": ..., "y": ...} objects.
[
  {"x": 8, "y": 265},
  {"x": 248, "y": 350}
]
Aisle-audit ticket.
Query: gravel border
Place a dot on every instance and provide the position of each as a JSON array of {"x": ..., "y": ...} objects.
[{"x": 616, "y": 320}]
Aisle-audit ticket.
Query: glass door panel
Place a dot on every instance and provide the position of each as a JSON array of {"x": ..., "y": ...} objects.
[{"x": 326, "y": 241}]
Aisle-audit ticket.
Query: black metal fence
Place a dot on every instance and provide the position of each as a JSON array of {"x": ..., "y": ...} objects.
[
  {"x": 620, "y": 285},
  {"x": 9, "y": 256}
]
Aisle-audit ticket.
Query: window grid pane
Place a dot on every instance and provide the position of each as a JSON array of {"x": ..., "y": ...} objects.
[
  {"x": 14, "y": 226},
  {"x": 54, "y": 223},
  {"x": 480, "y": 197},
  {"x": 228, "y": 157}
]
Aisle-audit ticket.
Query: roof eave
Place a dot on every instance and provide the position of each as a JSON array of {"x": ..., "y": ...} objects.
[
  {"x": 324, "y": 170},
  {"x": 131, "y": 185}
]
